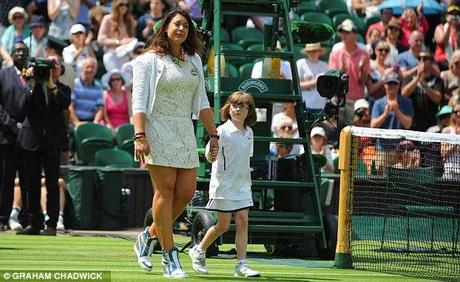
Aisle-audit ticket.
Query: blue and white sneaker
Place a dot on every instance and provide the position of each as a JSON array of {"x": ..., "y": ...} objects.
[
  {"x": 243, "y": 270},
  {"x": 144, "y": 248},
  {"x": 171, "y": 265}
]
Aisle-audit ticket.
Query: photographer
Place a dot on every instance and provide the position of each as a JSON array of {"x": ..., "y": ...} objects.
[
  {"x": 361, "y": 115},
  {"x": 43, "y": 136}
]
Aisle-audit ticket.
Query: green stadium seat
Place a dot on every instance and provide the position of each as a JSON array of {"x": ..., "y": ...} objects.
[
  {"x": 339, "y": 7},
  {"x": 316, "y": 17},
  {"x": 124, "y": 138},
  {"x": 224, "y": 36},
  {"x": 246, "y": 70},
  {"x": 246, "y": 36},
  {"x": 89, "y": 139},
  {"x": 323, "y": 5},
  {"x": 114, "y": 158},
  {"x": 245, "y": 43},
  {"x": 236, "y": 61},
  {"x": 232, "y": 71},
  {"x": 255, "y": 47},
  {"x": 306, "y": 6}
]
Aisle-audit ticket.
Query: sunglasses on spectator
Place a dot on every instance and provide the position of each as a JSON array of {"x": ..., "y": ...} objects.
[
  {"x": 116, "y": 79},
  {"x": 123, "y": 4},
  {"x": 18, "y": 17},
  {"x": 386, "y": 50},
  {"x": 456, "y": 112},
  {"x": 237, "y": 106},
  {"x": 284, "y": 127},
  {"x": 456, "y": 63}
]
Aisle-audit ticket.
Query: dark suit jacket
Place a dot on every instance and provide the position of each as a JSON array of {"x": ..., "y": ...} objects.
[
  {"x": 12, "y": 94},
  {"x": 44, "y": 126}
]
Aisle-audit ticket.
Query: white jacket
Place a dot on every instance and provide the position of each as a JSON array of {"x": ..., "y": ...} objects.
[{"x": 147, "y": 71}]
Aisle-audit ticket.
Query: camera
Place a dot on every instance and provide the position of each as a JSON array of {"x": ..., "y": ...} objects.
[
  {"x": 360, "y": 112},
  {"x": 333, "y": 83},
  {"x": 334, "y": 86},
  {"x": 41, "y": 68}
]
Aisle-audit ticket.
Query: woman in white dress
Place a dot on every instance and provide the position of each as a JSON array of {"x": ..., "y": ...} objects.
[{"x": 168, "y": 86}]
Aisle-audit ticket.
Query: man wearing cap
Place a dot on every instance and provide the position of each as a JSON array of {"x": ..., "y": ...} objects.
[
  {"x": 37, "y": 41},
  {"x": 425, "y": 90},
  {"x": 361, "y": 115},
  {"x": 309, "y": 69},
  {"x": 353, "y": 61},
  {"x": 445, "y": 37},
  {"x": 392, "y": 111},
  {"x": 76, "y": 53}
]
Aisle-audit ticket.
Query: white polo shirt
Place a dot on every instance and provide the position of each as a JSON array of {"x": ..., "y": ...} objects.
[{"x": 230, "y": 175}]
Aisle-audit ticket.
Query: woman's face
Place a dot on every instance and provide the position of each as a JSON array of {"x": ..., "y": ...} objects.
[
  {"x": 456, "y": 114},
  {"x": 382, "y": 51},
  {"x": 123, "y": 6},
  {"x": 116, "y": 82},
  {"x": 456, "y": 66},
  {"x": 411, "y": 20},
  {"x": 18, "y": 20},
  {"x": 78, "y": 38},
  {"x": 178, "y": 29},
  {"x": 317, "y": 142}
]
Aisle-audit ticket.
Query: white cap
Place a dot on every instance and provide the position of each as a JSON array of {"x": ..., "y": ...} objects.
[
  {"x": 17, "y": 10},
  {"x": 317, "y": 131},
  {"x": 361, "y": 103},
  {"x": 77, "y": 28}
]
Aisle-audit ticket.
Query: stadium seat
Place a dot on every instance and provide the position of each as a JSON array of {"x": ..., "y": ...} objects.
[
  {"x": 236, "y": 61},
  {"x": 323, "y": 5},
  {"x": 306, "y": 6},
  {"x": 231, "y": 70},
  {"x": 244, "y": 36},
  {"x": 255, "y": 47},
  {"x": 89, "y": 139},
  {"x": 246, "y": 70},
  {"x": 339, "y": 7},
  {"x": 316, "y": 17},
  {"x": 124, "y": 138},
  {"x": 224, "y": 36},
  {"x": 114, "y": 158}
]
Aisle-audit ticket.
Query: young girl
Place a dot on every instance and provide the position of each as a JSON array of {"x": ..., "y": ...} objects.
[{"x": 230, "y": 186}]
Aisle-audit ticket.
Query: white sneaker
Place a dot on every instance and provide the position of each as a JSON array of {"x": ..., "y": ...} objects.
[
  {"x": 60, "y": 226},
  {"x": 14, "y": 224},
  {"x": 243, "y": 270},
  {"x": 198, "y": 260},
  {"x": 171, "y": 265},
  {"x": 143, "y": 249}
]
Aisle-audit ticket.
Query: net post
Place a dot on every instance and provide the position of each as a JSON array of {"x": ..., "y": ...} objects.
[{"x": 343, "y": 249}]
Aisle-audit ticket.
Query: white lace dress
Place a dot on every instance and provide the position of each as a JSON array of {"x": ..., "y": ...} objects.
[{"x": 170, "y": 128}]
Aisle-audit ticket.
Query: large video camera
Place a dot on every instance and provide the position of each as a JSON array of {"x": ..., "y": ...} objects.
[
  {"x": 41, "y": 68},
  {"x": 334, "y": 86}
]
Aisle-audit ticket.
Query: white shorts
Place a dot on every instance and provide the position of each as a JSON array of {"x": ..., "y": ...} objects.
[{"x": 222, "y": 205}]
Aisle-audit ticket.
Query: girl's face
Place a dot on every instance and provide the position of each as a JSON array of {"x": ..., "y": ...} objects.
[
  {"x": 456, "y": 114},
  {"x": 238, "y": 112},
  {"x": 178, "y": 29},
  {"x": 156, "y": 7},
  {"x": 123, "y": 6}
]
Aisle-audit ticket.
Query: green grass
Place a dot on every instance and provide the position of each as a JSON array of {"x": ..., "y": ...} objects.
[{"x": 116, "y": 255}]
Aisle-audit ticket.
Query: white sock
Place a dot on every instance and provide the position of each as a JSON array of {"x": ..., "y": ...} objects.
[
  {"x": 61, "y": 216},
  {"x": 198, "y": 248},
  {"x": 241, "y": 262},
  {"x": 15, "y": 213},
  {"x": 45, "y": 215}
]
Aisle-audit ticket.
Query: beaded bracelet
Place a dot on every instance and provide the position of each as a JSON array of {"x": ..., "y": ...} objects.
[{"x": 214, "y": 136}]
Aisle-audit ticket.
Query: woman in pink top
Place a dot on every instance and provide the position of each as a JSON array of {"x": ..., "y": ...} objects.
[
  {"x": 410, "y": 21},
  {"x": 117, "y": 108}
]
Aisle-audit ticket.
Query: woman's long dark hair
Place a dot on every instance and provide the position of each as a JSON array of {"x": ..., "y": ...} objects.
[{"x": 160, "y": 43}]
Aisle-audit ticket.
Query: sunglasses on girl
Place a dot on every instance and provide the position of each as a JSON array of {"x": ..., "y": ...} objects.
[{"x": 384, "y": 50}]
